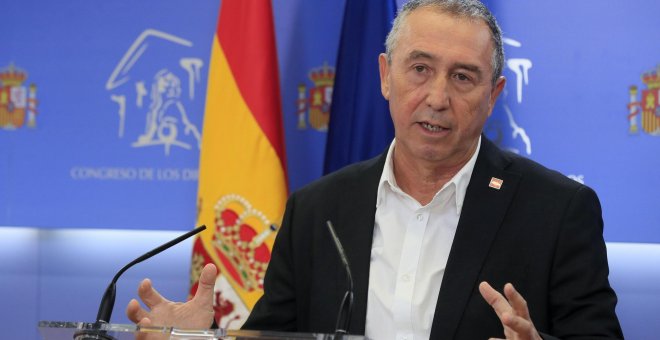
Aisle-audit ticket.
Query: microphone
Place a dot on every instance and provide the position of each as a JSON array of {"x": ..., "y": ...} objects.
[
  {"x": 108, "y": 300},
  {"x": 346, "y": 307}
]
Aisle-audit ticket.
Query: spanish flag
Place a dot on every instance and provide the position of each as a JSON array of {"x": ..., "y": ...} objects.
[{"x": 242, "y": 177}]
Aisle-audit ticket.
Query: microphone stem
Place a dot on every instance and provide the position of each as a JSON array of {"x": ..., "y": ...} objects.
[
  {"x": 346, "y": 307},
  {"x": 108, "y": 300}
]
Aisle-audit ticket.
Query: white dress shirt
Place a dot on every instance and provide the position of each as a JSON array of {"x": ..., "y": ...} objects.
[{"x": 409, "y": 254}]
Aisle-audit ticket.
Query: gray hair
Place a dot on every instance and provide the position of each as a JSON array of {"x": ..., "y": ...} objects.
[{"x": 472, "y": 9}]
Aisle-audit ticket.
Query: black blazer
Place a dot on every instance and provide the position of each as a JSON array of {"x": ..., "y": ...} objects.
[{"x": 541, "y": 231}]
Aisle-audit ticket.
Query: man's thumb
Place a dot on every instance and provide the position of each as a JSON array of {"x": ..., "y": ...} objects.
[{"x": 206, "y": 284}]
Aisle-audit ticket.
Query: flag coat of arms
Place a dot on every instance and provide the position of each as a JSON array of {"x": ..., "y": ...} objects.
[
  {"x": 649, "y": 107},
  {"x": 242, "y": 177},
  {"x": 651, "y": 111}
]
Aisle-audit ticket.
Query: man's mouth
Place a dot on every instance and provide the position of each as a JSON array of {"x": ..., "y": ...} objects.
[{"x": 432, "y": 128}]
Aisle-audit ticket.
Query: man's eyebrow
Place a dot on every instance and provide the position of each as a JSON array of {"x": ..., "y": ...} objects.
[
  {"x": 469, "y": 67},
  {"x": 417, "y": 54}
]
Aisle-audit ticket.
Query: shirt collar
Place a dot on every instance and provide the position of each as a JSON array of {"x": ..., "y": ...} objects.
[{"x": 460, "y": 181}]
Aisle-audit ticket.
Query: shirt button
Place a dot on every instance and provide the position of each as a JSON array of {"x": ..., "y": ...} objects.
[
  {"x": 420, "y": 217},
  {"x": 405, "y": 278}
]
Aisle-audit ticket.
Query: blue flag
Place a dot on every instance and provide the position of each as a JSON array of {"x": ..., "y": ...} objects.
[{"x": 360, "y": 125}]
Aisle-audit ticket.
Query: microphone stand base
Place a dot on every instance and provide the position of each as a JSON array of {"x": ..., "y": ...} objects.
[{"x": 92, "y": 335}]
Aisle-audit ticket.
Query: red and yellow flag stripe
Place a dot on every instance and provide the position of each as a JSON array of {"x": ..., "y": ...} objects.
[{"x": 242, "y": 176}]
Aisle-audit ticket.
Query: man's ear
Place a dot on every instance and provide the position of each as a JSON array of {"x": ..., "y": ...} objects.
[
  {"x": 384, "y": 68},
  {"x": 495, "y": 92}
]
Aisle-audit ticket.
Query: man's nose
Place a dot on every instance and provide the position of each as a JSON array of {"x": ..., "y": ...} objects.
[{"x": 437, "y": 97}]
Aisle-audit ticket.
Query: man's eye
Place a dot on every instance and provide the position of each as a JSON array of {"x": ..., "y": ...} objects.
[
  {"x": 420, "y": 68},
  {"x": 461, "y": 77}
]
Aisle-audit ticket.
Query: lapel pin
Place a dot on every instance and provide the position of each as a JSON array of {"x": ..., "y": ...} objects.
[{"x": 495, "y": 183}]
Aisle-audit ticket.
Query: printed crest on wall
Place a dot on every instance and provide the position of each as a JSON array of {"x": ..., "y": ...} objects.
[
  {"x": 18, "y": 102},
  {"x": 314, "y": 106},
  {"x": 154, "y": 85},
  {"x": 646, "y": 111}
]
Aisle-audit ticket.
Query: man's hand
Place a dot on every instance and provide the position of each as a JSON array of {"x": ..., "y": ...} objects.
[
  {"x": 512, "y": 311},
  {"x": 194, "y": 314}
]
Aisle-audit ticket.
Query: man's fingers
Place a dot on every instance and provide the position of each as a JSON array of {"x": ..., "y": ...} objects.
[
  {"x": 134, "y": 312},
  {"x": 205, "y": 294},
  {"x": 517, "y": 324},
  {"x": 208, "y": 275},
  {"x": 205, "y": 288},
  {"x": 144, "y": 322},
  {"x": 149, "y": 295},
  {"x": 512, "y": 311},
  {"x": 494, "y": 299},
  {"x": 516, "y": 300}
]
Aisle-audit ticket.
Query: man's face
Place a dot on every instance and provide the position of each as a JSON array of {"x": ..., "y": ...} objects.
[{"x": 439, "y": 86}]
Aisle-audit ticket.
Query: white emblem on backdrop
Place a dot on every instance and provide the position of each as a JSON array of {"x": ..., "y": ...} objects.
[
  {"x": 520, "y": 142},
  {"x": 162, "y": 98}
]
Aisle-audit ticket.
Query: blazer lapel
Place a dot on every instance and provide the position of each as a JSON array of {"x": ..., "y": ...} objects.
[{"x": 483, "y": 211}]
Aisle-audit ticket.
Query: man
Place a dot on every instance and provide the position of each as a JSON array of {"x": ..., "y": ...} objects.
[{"x": 431, "y": 222}]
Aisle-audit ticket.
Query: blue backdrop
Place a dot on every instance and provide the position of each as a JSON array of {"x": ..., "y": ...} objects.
[
  {"x": 101, "y": 104},
  {"x": 570, "y": 66},
  {"x": 104, "y": 73}
]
